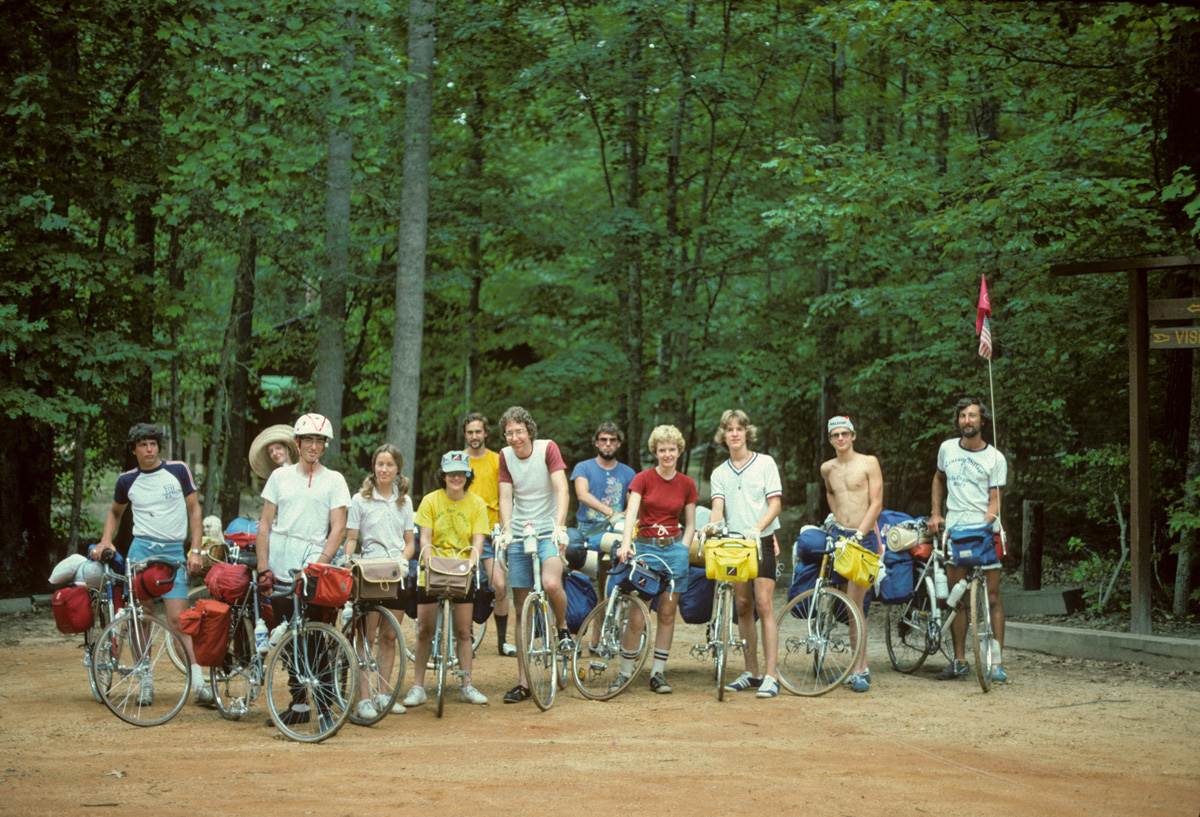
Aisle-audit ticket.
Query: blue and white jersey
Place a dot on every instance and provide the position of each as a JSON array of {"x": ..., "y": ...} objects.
[
  {"x": 158, "y": 500},
  {"x": 970, "y": 476}
]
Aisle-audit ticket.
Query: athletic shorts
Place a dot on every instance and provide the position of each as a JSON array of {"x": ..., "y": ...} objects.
[
  {"x": 146, "y": 548},
  {"x": 520, "y": 565}
]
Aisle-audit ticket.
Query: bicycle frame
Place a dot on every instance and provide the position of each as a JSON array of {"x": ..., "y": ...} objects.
[{"x": 721, "y": 643}]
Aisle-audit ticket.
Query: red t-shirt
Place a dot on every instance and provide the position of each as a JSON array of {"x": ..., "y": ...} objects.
[{"x": 663, "y": 501}]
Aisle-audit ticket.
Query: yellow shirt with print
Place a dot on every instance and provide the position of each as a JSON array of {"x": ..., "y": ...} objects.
[
  {"x": 487, "y": 483},
  {"x": 453, "y": 523}
]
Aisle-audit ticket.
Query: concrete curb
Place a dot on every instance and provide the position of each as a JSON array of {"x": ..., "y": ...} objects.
[{"x": 1156, "y": 651}]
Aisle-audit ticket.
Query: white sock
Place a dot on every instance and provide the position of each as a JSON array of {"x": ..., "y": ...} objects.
[
  {"x": 197, "y": 675},
  {"x": 997, "y": 659},
  {"x": 659, "y": 665}
]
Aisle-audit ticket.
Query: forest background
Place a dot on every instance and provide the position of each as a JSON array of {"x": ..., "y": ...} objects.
[{"x": 215, "y": 215}]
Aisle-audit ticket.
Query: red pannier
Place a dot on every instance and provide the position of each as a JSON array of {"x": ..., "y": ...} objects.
[
  {"x": 328, "y": 586},
  {"x": 228, "y": 583},
  {"x": 72, "y": 609},
  {"x": 208, "y": 625},
  {"x": 153, "y": 582}
]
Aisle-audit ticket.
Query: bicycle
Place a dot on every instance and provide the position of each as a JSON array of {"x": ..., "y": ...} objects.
[
  {"x": 917, "y": 629},
  {"x": 443, "y": 653},
  {"x": 820, "y": 632},
  {"x": 596, "y": 667},
  {"x": 545, "y": 670},
  {"x": 409, "y": 628},
  {"x": 379, "y": 680},
  {"x": 131, "y": 668},
  {"x": 721, "y": 637},
  {"x": 236, "y": 683},
  {"x": 310, "y": 664}
]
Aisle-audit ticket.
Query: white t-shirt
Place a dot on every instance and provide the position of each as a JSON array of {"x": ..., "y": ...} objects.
[
  {"x": 747, "y": 491},
  {"x": 970, "y": 476},
  {"x": 534, "y": 498},
  {"x": 381, "y": 524},
  {"x": 301, "y": 514}
]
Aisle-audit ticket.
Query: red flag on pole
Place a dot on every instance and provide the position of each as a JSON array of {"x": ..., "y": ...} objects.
[{"x": 983, "y": 326}]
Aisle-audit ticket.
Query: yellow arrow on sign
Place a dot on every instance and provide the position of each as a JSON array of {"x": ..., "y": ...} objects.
[
  {"x": 1159, "y": 337},
  {"x": 1193, "y": 308}
]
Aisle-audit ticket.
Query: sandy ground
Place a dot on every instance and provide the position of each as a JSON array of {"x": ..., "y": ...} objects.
[{"x": 1064, "y": 737}]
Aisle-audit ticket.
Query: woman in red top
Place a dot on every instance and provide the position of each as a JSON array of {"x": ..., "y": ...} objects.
[{"x": 659, "y": 499}]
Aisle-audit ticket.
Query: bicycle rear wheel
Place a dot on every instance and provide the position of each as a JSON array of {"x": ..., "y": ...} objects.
[
  {"x": 312, "y": 677},
  {"x": 537, "y": 650},
  {"x": 444, "y": 649},
  {"x": 981, "y": 632},
  {"x": 381, "y": 660},
  {"x": 721, "y": 637},
  {"x": 596, "y": 670},
  {"x": 817, "y": 644},
  {"x": 235, "y": 684},
  {"x": 143, "y": 686},
  {"x": 907, "y": 629}
]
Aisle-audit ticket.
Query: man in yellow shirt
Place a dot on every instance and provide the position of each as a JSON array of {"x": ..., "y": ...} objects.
[{"x": 485, "y": 465}]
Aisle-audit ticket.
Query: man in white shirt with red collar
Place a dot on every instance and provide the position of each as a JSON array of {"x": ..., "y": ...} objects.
[{"x": 533, "y": 488}]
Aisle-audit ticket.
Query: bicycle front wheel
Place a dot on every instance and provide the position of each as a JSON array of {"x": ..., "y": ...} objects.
[
  {"x": 624, "y": 642},
  {"x": 820, "y": 640},
  {"x": 311, "y": 680},
  {"x": 537, "y": 651},
  {"x": 444, "y": 649},
  {"x": 91, "y": 638},
  {"x": 141, "y": 685},
  {"x": 235, "y": 684},
  {"x": 381, "y": 659},
  {"x": 981, "y": 632},
  {"x": 907, "y": 630},
  {"x": 721, "y": 637}
]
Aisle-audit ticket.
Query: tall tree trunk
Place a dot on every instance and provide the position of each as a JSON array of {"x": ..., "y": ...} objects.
[
  {"x": 631, "y": 253},
  {"x": 474, "y": 207},
  {"x": 242, "y": 322},
  {"x": 145, "y": 235},
  {"x": 175, "y": 282},
  {"x": 331, "y": 344},
  {"x": 414, "y": 218}
]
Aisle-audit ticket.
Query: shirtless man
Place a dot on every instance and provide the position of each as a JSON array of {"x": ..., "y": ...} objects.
[{"x": 854, "y": 489}]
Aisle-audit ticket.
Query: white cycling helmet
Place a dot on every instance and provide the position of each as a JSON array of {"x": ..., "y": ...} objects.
[{"x": 316, "y": 424}]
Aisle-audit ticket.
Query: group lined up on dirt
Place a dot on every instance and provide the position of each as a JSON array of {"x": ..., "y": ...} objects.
[{"x": 485, "y": 500}]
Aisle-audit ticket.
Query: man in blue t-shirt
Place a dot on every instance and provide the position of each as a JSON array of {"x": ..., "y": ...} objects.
[
  {"x": 166, "y": 512},
  {"x": 601, "y": 484}
]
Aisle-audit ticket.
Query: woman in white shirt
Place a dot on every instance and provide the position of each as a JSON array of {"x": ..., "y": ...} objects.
[{"x": 381, "y": 514}]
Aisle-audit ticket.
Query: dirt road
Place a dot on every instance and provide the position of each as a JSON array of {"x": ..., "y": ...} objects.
[{"x": 1064, "y": 737}]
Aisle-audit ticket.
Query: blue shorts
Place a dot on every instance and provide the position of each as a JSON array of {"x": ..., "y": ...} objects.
[
  {"x": 489, "y": 552},
  {"x": 674, "y": 554},
  {"x": 520, "y": 565},
  {"x": 146, "y": 549}
]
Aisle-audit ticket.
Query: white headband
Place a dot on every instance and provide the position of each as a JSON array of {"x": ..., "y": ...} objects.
[{"x": 839, "y": 422}]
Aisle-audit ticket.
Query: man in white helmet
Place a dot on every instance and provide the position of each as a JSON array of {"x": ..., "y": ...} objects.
[{"x": 303, "y": 519}]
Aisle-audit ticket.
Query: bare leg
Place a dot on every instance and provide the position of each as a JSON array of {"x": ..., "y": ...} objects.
[
  {"x": 764, "y": 595},
  {"x": 857, "y": 595},
  {"x": 743, "y": 596}
]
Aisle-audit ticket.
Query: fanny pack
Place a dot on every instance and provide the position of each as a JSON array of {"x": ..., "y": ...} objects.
[{"x": 645, "y": 580}]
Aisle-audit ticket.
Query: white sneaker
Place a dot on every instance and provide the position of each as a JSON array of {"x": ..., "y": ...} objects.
[
  {"x": 146, "y": 691},
  {"x": 366, "y": 711},
  {"x": 203, "y": 695},
  {"x": 768, "y": 689},
  {"x": 415, "y": 697},
  {"x": 508, "y": 650},
  {"x": 473, "y": 696},
  {"x": 381, "y": 702}
]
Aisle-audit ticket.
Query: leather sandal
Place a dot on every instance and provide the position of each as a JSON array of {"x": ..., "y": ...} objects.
[{"x": 516, "y": 694}]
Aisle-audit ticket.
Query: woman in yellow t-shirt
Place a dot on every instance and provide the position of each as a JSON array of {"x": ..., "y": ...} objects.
[{"x": 453, "y": 523}]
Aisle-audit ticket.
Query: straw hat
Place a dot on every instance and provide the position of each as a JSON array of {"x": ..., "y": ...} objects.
[{"x": 260, "y": 461}]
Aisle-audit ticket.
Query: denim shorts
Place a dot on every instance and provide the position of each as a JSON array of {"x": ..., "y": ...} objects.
[
  {"x": 145, "y": 549},
  {"x": 674, "y": 554},
  {"x": 520, "y": 565},
  {"x": 489, "y": 552}
]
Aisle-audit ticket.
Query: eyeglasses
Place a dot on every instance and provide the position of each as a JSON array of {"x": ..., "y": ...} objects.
[
  {"x": 837, "y": 435},
  {"x": 512, "y": 435}
]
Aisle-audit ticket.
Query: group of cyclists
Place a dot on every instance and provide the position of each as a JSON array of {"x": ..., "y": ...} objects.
[{"x": 309, "y": 515}]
